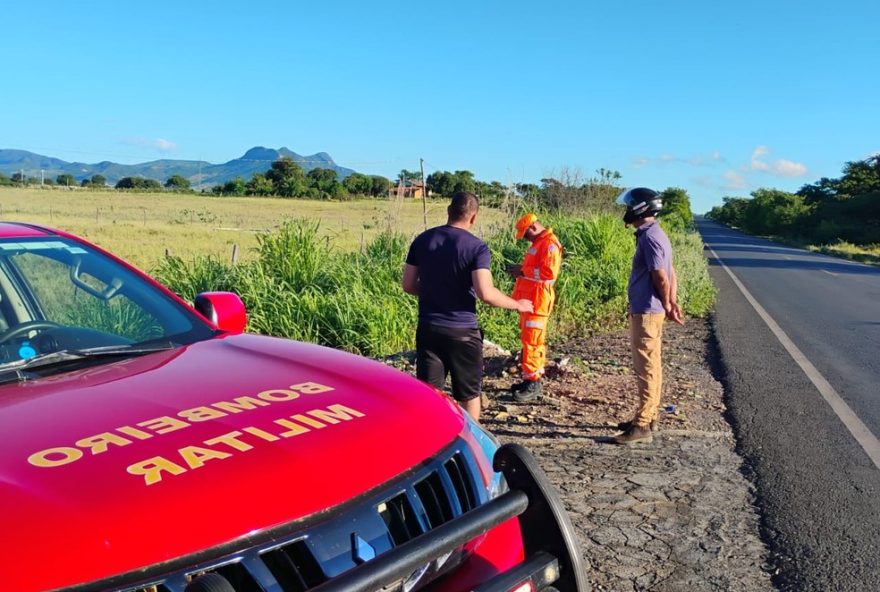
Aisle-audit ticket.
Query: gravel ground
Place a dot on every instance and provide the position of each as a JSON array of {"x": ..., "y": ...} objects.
[{"x": 675, "y": 514}]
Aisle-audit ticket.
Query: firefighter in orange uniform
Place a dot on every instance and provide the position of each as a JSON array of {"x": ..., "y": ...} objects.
[{"x": 534, "y": 281}]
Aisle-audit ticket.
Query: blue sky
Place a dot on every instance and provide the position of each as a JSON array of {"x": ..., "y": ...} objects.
[{"x": 717, "y": 97}]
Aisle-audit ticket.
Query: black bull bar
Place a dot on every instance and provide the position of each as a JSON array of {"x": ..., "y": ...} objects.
[{"x": 552, "y": 554}]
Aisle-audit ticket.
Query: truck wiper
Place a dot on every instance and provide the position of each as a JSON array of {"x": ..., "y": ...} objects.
[{"x": 21, "y": 369}]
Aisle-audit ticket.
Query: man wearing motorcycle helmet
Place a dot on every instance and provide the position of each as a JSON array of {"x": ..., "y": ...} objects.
[{"x": 652, "y": 294}]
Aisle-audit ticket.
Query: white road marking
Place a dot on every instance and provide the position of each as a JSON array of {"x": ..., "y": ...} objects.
[
  {"x": 856, "y": 427},
  {"x": 829, "y": 273}
]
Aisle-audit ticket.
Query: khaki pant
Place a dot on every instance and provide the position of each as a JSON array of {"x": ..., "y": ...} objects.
[{"x": 645, "y": 333}]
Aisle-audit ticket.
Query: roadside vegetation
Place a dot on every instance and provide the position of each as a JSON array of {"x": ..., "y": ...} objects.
[
  {"x": 328, "y": 271},
  {"x": 839, "y": 216},
  {"x": 302, "y": 286}
]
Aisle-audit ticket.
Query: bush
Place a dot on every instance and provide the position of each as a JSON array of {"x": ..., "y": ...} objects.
[{"x": 301, "y": 288}]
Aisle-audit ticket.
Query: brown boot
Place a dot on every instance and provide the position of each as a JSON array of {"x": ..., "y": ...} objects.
[
  {"x": 626, "y": 425},
  {"x": 633, "y": 435}
]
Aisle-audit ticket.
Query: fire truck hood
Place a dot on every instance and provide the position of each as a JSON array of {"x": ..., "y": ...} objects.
[{"x": 128, "y": 464}]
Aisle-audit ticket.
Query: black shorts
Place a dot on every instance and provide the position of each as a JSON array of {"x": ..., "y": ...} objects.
[{"x": 450, "y": 350}]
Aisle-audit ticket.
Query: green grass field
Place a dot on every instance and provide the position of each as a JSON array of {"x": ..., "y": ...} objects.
[{"x": 140, "y": 227}]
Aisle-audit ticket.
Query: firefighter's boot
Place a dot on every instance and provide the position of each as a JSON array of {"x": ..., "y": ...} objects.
[{"x": 530, "y": 393}]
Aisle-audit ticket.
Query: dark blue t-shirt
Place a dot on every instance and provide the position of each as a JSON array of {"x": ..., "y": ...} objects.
[{"x": 446, "y": 256}]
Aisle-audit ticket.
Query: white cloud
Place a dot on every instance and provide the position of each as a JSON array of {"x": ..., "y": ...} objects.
[
  {"x": 160, "y": 144},
  {"x": 164, "y": 145},
  {"x": 734, "y": 180},
  {"x": 788, "y": 168},
  {"x": 759, "y": 165},
  {"x": 781, "y": 167},
  {"x": 698, "y": 160}
]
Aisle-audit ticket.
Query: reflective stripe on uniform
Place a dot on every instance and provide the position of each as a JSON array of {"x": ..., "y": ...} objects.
[
  {"x": 537, "y": 281},
  {"x": 535, "y": 324}
]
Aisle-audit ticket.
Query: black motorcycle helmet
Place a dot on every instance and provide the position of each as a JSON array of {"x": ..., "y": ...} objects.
[{"x": 640, "y": 202}]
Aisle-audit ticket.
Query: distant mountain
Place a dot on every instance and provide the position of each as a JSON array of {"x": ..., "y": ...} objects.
[{"x": 255, "y": 160}]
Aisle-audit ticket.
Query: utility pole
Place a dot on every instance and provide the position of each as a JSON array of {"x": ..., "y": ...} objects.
[
  {"x": 41, "y": 177},
  {"x": 424, "y": 194}
]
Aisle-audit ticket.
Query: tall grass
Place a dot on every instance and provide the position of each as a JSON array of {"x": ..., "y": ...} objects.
[{"x": 300, "y": 287}]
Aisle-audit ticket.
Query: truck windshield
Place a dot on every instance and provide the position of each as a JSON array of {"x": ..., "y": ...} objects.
[{"x": 57, "y": 294}]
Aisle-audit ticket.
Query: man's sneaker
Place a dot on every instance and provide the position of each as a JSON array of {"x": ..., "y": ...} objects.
[
  {"x": 530, "y": 392},
  {"x": 633, "y": 435},
  {"x": 625, "y": 425}
]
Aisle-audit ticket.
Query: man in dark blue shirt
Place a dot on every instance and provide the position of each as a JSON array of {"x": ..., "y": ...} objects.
[{"x": 448, "y": 269}]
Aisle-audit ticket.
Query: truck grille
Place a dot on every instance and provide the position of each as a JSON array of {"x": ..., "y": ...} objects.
[{"x": 442, "y": 489}]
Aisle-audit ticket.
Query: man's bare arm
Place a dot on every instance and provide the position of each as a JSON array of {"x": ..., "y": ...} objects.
[{"x": 488, "y": 293}]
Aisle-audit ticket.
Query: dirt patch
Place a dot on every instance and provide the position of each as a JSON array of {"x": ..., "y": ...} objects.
[{"x": 589, "y": 388}]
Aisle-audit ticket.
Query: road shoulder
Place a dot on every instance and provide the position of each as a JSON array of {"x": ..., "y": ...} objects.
[{"x": 676, "y": 514}]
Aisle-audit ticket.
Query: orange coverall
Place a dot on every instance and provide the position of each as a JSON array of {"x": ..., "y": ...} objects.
[{"x": 540, "y": 269}]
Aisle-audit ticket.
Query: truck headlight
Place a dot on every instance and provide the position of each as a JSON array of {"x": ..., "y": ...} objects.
[{"x": 489, "y": 445}]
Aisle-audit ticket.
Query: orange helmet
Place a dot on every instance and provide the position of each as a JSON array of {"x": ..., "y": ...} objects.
[{"x": 523, "y": 224}]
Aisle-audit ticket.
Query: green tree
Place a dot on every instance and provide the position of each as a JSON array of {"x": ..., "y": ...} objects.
[
  {"x": 528, "y": 191},
  {"x": 441, "y": 183},
  {"x": 236, "y": 187},
  {"x": 445, "y": 183},
  {"x": 66, "y": 179},
  {"x": 288, "y": 178},
  {"x": 776, "y": 212},
  {"x": 676, "y": 212},
  {"x": 178, "y": 183},
  {"x": 324, "y": 181},
  {"x": 139, "y": 183},
  {"x": 732, "y": 211},
  {"x": 410, "y": 175},
  {"x": 259, "y": 185},
  {"x": 358, "y": 184},
  {"x": 860, "y": 177},
  {"x": 381, "y": 185},
  {"x": 464, "y": 181},
  {"x": 490, "y": 193},
  {"x": 822, "y": 190},
  {"x": 95, "y": 181},
  {"x": 4, "y": 180}
]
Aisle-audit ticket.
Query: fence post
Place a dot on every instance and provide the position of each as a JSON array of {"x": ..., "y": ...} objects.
[
  {"x": 167, "y": 252},
  {"x": 234, "y": 253}
]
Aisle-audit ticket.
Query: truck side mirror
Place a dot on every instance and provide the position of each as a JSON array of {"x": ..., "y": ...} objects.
[{"x": 224, "y": 309}]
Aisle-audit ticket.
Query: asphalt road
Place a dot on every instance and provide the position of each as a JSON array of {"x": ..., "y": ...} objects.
[{"x": 817, "y": 484}]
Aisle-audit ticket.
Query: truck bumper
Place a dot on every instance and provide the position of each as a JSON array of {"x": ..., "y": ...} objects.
[{"x": 552, "y": 557}]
